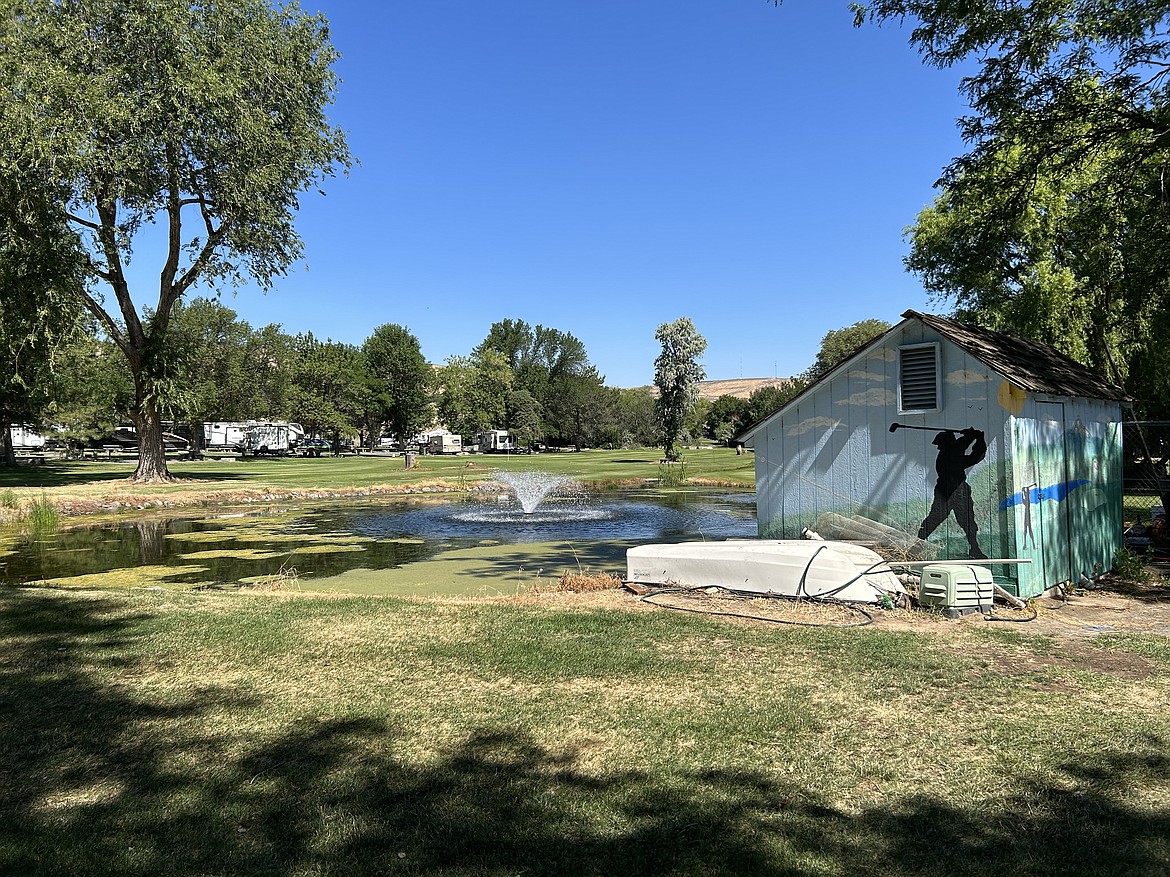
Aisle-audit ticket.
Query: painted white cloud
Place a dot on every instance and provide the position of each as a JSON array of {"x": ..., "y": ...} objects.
[
  {"x": 965, "y": 376},
  {"x": 868, "y": 376},
  {"x": 811, "y": 423},
  {"x": 870, "y": 398},
  {"x": 886, "y": 354}
]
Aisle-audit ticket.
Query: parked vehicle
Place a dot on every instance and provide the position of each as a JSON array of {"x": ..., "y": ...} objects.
[
  {"x": 225, "y": 436},
  {"x": 278, "y": 439},
  {"x": 25, "y": 439},
  {"x": 496, "y": 441},
  {"x": 314, "y": 447},
  {"x": 126, "y": 438},
  {"x": 445, "y": 443}
]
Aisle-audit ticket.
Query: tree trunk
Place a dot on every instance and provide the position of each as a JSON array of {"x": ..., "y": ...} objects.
[
  {"x": 198, "y": 445},
  {"x": 152, "y": 458},
  {"x": 6, "y": 441}
]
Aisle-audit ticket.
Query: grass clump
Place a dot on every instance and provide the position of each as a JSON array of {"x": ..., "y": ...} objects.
[
  {"x": 580, "y": 582},
  {"x": 672, "y": 474},
  {"x": 43, "y": 518}
]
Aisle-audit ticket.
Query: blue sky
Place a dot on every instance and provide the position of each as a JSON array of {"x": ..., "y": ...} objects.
[{"x": 604, "y": 166}]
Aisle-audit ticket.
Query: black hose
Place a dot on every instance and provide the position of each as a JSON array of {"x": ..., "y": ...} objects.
[
  {"x": 647, "y": 598},
  {"x": 1032, "y": 617}
]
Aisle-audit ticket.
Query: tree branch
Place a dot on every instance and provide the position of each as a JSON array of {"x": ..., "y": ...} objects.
[{"x": 92, "y": 226}]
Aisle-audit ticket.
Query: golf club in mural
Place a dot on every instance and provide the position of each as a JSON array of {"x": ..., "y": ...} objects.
[
  {"x": 894, "y": 427},
  {"x": 958, "y": 451}
]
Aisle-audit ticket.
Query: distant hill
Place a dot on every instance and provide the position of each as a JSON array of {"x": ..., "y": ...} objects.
[{"x": 741, "y": 388}]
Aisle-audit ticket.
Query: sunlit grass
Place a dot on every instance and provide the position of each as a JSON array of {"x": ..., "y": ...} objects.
[{"x": 598, "y": 468}]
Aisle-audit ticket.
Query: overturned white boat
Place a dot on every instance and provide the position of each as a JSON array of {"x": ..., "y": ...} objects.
[{"x": 795, "y": 568}]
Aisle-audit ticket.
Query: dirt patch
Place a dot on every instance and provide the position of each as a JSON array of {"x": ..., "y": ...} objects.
[{"x": 1081, "y": 618}]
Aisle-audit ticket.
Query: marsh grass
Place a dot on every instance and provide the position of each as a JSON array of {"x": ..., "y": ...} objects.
[
  {"x": 188, "y": 734},
  {"x": 672, "y": 474},
  {"x": 8, "y": 499},
  {"x": 42, "y": 518}
]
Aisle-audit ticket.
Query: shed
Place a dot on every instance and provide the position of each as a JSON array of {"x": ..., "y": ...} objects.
[{"x": 952, "y": 442}]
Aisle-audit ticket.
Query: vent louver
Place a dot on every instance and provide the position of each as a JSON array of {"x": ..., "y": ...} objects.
[{"x": 919, "y": 378}]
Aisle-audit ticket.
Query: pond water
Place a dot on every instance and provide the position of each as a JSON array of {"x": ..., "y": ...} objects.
[{"x": 325, "y": 541}]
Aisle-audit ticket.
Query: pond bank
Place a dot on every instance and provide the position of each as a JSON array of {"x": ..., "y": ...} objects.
[{"x": 130, "y": 497}]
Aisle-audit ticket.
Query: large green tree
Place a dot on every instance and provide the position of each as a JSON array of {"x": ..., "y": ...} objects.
[
  {"x": 209, "y": 342},
  {"x": 205, "y": 120},
  {"x": 269, "y": 356},
  {"x": 474, "y": 392},
  {"x": 553, "y": 366},
  {"x": 676, "y": 375},
  {"x": 402, "y": 380},
  {"x": 635, "y": 419},
  {"x": 91, "y": 390},
  {"x": 328, "y": 380}
]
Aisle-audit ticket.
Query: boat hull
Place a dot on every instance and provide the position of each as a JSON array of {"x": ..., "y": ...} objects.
[{"x": 786, "y": 568}]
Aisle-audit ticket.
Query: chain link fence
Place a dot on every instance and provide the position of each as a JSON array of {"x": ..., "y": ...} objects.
[{"x": 1146, "y": 478}]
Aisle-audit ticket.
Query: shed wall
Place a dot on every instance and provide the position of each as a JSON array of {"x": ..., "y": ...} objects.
[{"x": 831, "y": 453}]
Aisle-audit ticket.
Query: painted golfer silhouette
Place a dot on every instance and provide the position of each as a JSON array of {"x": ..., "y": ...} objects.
[
  {"x": 1026, "y": 499},
  {"x": 958, "y": 451}
]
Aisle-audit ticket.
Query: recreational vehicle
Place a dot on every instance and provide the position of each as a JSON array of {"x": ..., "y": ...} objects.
[
  {"x": 225, "y": 436},
  {"x": 24, "y": 439},
  {"x": 445, "y": 443},
  {"x": 495, "y": 441},
  {"x": 279, "y": 439}
]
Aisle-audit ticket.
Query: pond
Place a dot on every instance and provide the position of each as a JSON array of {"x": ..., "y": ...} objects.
[{"x": 404, "y": 546}]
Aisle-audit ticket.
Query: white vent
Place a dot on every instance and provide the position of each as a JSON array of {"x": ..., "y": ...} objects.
[{"x": 918, "y": 383}]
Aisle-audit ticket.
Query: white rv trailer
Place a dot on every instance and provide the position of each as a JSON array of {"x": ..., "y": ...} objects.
[
  {"x": 225, "y": 436},
  {"x": 24, "y": 439},
  {"x": 445, "y": 443},
  {"x": 495, "y": 441},
  {"x": 277, "y": 438}
]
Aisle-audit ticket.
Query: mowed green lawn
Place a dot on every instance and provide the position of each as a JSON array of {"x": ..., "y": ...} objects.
[
  {"x": 599, "y": 468},
  {"x": 222, "y": 734}
]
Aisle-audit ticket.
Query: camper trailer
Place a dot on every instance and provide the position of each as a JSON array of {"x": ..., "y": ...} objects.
[
  {"x": 279, "y": 439},
  {"x": 24, "y": 439},
  {"x": 496, "y": 441},
  {"x": 225, "y": 436},
  {"x": 445, "y": 443}
]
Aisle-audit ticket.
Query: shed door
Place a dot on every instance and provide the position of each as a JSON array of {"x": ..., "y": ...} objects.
[{"x": 1050, "y": 512}]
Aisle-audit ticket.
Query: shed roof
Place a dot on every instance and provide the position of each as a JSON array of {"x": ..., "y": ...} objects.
[{"x": 1038, "y": 368}]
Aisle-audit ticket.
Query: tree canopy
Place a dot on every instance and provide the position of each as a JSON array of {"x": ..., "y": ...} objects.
[
  {"x": 1053, "y": 223},
  {"x": 204, "y": 119},
  {"x": 837, "y": 345}
]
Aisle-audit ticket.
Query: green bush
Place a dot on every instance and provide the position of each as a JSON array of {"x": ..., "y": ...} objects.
[{"x": 1131, "y": 566}]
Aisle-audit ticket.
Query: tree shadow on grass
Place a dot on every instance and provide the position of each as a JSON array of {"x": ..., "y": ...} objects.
[
  {"x": 69, "y": 474},
  {"x": 506, "y": 562},
  {"x": 97, "y": 780}
]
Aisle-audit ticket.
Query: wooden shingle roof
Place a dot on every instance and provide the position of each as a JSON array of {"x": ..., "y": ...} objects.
[{"x": 1038, "y": 368}]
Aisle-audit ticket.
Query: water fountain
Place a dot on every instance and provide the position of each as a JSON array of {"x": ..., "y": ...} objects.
[{"x": 530, "y": 488}]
